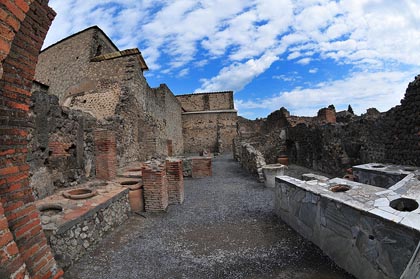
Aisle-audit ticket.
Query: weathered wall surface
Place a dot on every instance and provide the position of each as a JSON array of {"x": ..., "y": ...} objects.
[
  {"x": 323, "y": 144},
  {"x": 112, "y": 88},
  {"x": 24, "y": 27},
  {"x": 209, "y": 122},
  {"x": 64, "y": 66},
  {"x": 210, "y": 131},
  {"x": 207, "y": 101},
  {"x": 61, "y": 149}
]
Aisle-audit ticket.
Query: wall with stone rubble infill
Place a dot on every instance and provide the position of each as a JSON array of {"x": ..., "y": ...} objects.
[
  {"x": 332, "y": 145},
  {"x": 71, "y": 243},
  {"x": 251, "y": 159},
  {"x": 61, "y": 146}
]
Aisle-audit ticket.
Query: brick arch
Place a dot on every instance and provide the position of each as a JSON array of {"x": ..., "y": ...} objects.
[{"x": 23, "y": 245}]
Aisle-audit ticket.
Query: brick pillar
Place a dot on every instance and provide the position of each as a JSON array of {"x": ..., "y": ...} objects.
[
  {"x": 155, "y": 188},
  {"x": 11, "y": 261},
  {"x": 105, "y": 154},
  {"x": 201, "y": 167},
  {"x": 24, "y": 27},
  {"x": 175, "y": 179}
]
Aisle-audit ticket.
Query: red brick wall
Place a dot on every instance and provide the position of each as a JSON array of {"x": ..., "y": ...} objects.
[
  {"x": 201, "y": 167},
  {"x": 105, "y": 154},
  {"x": 22, "y": 32},
  {"x": 175, "y": 179},
  {"x": 328, "y": 115},
  {"x": 155, "y": 188},
  {"x": 59, "y": 149},
  {"x": 10, "y": 260}
]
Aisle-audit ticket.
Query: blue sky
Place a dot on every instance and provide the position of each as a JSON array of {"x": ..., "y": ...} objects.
[{"x": 300, "y": 54}]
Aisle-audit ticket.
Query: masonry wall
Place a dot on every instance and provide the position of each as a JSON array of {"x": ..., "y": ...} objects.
[
  {"x": 61, "y": 146},
  {"x": 212, "y": 131},
  {"x": 116, "y": 93},
  {"x": 207, "y": 101},
  {"x": 24, "y": 27},
  {"x": 64, "y": 66}
]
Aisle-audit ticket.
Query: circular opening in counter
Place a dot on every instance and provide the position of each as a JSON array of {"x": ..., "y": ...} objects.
[
  {"x": 378, "y": 166},
  {"x": 50, "y": 209},
  {"x": 339, "y": 188},
  {"x": 79, "y": 194},
  {"x": 404, "y": 204},
  {"x": 131, "y": 184}
]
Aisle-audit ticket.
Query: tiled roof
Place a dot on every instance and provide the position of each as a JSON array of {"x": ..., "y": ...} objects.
[{"x": 117, "y": 54}]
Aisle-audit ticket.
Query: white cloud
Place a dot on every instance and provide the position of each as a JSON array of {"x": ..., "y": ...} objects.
[
  {"x": 304, "y": 61},
  {"x": 237, "y": 75},
  {"x": 183, "y": 72},
  {"x": 313, "y": 71}
]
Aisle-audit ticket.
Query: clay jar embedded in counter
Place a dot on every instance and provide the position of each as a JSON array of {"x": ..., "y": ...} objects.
[{"x": 135, "y": 196}]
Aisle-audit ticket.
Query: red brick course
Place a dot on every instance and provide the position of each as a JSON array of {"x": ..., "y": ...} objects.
[
  {"x": 175, "y": 178},
  {"x": 201, "y": 167},
  {"x": 105, "y": 154},
  {"x": 155, "y": 187}
]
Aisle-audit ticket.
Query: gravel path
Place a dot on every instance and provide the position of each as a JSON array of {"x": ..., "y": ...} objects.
[{"x": 225, "y": 229}]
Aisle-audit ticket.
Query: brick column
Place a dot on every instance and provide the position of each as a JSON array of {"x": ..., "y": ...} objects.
[
  {"x": 175, "y": 179},
  {"x": 105, "y": 154},
  {"x": 201, "y": 167},
  {"x": 24, "y": 27},
  {"x": 155, "y": 188},
  {"x": 10, "y": 260}
]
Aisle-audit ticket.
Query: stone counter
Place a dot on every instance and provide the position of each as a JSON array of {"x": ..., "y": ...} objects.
[
  {"x": 357, "y": 229},
  {"x": 83, "y": 223},
  {"x": 382, "y": 175}
]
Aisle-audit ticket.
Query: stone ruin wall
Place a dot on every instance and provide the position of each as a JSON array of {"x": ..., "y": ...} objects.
[
  {"x": 115, "y": 92},
  {"x": 65, "y": 65},
  {"x": 207, "y": 101},
  {"x": 211, "y": 131},
  {"x": 209, "y": 122},
  {"x": 61, "y": 149},
  {"x": 332, "y": 145}
]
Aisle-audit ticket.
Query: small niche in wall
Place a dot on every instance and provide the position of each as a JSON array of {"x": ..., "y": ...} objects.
[{"x": 98, "y": 50}]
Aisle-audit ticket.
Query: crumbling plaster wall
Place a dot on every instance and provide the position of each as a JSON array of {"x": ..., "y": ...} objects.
[{"x": 61, "y": 149}]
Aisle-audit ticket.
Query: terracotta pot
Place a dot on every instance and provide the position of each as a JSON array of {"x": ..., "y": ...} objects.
[
  {"x": 135, "y": 196},
  {"x": 283, "y": 160}
]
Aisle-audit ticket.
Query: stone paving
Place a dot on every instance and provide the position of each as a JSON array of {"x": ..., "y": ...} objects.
[{"x": 226, "y": 228}]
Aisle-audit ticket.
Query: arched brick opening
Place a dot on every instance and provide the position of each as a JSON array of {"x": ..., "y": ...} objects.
[{"x": 23, "y": 245}]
